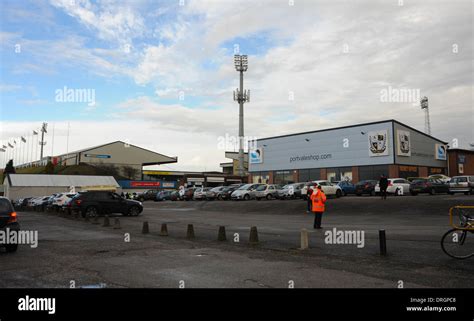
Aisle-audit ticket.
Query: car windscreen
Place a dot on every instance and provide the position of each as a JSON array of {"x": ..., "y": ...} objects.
[
  {"x": 262, "y": 188},
  {"x": 419, "y": 180},
  {"x": 5, "y": 206},
  {"x": 245, "y": 187},
  {"x": 460, "y": 179}
]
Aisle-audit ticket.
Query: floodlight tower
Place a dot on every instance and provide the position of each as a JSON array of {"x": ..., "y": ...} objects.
[
  {"x": 424, "y": 105},
  {"x": 241, "y": 96},
  {"x": 43, "y": 142}
]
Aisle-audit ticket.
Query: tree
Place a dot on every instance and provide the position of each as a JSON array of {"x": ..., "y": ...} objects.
[
  {"x": 49, "y": 169},
  {"x": 9, "y": 169},
  {"x": 130, "y": 172}
]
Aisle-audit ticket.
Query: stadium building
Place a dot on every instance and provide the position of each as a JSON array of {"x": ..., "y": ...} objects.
[{"x": 357, "y": 152}]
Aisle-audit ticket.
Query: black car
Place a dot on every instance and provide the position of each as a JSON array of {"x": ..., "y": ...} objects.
[
  {"x": 149, "y": 195},
  {"x": 227, "y": 191},
  {"x": 93, "y": 203},
  {"x": 8, "y": 220},
  {"x": 428, "y": 185},
  {"x": 365, "y": 187}
]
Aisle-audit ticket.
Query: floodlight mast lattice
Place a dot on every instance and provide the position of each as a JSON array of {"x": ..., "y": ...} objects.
[
  {"x": 241, "y": 96},
  {"x": 424, "y": 105}
]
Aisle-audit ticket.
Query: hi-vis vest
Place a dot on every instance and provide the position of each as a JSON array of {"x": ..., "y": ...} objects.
[{"x": 318, "y": 199}]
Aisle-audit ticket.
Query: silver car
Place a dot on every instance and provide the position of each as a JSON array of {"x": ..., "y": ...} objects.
[
  {"x": 461, "y": 184},
  {"x": 245, "y": 192},
  {"x": 267, "y": 191}
]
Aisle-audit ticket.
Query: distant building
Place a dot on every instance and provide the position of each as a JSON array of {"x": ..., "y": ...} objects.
[
  {"x": 29, "y": 185},
  {"x": 128, "y": 159},
  {"x": 232, "y": 168},
  {"x": 170, "y": 179},
  {"x": 461, "y": 162}
]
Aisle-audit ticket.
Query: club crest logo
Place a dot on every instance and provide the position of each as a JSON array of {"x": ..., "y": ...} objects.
[
  {"x": 378, "y": 143},
  {"x": 403, "y": 143}
]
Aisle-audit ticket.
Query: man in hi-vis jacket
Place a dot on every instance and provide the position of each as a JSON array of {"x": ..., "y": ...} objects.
[{"x": 318, "y": 198}]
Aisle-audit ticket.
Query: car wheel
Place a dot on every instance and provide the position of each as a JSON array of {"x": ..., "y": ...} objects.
[
  {"x": 133, "y": 211},
  {"x": 372, "y": 193},
  {"x": 269, "y": 197},
  {"x": 338, "y": 193},
  {"x": 92, "y": 212},
  {"x": 11, "y": 248},
  {"x": 344, "y": 193},
  {"x": 432, "y": 191},
  {"x": 219, "y": 197},
  {"x": 246, "y": 197}
]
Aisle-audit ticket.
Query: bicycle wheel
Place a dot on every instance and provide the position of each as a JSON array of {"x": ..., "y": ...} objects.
[{"x": 456, "y": 244}]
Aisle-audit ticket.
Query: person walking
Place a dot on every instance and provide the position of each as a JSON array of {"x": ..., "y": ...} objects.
[
  {"x": 383, "y": 184},
  {"x": 318, "y": 199},
  {"x": 309, "y": 191}
]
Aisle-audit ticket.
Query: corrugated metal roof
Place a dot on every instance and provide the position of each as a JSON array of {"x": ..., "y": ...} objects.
[{"x": 61, "y": 180}]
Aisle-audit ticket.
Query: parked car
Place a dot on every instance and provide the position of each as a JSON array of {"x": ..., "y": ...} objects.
[
  {"x": 200, "y": 193},
  {"x": 149, "y": 195},
  {"x": 441, "y": 177},
  {"x": 461, "y": 184},
  {"x": 347, "y": 187},
  {"x": 396, "y": 186},
  {"x": 329, "y": 188},
  {"x": 428, "y": 185},
  {"x": 268, "y": 191},
  {"x": 214, "y": 193},
  {"x": 8, "y": 220},
  {"x": 41, "y": 204},
  {"x": 227, "y": 191},
  {"x": 93, "y": 203},
  {"x": 165, "y": 196},
  {"x": 56, "y": 203},
  {"x": 366, "y": 187},
  {"x": 245, "y": 192},
  {"x": 189, "y": 193},
  {"x": 411, "y": 179},
  {"x": 284, "y": 192}
]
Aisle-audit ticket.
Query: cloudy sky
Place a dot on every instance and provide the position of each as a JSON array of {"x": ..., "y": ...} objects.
[{"x": 160, "y": 74}]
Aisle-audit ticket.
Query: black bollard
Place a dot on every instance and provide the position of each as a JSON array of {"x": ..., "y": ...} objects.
[
  {"x": 164, "y": 230},
  {"x": 190, "y": 232},
  {"x": 253, "y": 239},
  {"x": 383, "y": 242},
  {"x": 145, "y": 228},
  {"x": 221, "y": 235}
]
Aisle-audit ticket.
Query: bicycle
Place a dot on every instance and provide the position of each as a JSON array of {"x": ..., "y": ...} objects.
[{"x": 454, "y": 242}]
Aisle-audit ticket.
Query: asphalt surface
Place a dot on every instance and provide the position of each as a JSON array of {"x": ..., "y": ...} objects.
[{"x": 80, "y": 253}]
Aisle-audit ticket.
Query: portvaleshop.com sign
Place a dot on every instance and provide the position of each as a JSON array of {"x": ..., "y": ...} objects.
[{"x": 314, "y": 157}]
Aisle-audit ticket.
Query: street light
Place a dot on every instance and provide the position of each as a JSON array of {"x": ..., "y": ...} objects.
[{"x": 241, "y": 96}]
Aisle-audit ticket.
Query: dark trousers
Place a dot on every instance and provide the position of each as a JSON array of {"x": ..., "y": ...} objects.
[
  {"x": 309, "y": 201},
  {"x": 318, "y": 216},
  {"x": 383, "y": 192}
]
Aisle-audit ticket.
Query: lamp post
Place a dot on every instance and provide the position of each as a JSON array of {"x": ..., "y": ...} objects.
[{"x": 241, "y": 96}]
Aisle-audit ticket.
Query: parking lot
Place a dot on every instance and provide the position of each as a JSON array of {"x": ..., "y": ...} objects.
[{"x": 90, "y": 254}]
